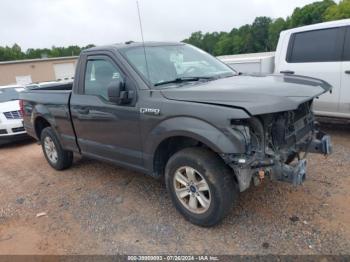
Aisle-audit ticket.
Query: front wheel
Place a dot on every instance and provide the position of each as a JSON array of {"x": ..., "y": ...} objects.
[
  {"x": 201, "y": 186},
  {"x": 57, "y": 157}
]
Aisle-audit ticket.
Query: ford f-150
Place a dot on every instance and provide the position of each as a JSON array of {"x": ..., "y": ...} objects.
[{"x": 172, "y": 111}]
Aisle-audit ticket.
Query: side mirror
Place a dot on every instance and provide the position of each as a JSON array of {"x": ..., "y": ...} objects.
[{"x": 117, "y": 93}]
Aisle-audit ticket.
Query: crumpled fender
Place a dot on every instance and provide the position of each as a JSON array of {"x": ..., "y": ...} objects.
[{"x": 227, "y": 141}]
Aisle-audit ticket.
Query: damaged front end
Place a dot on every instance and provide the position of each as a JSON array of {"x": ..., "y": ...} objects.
[{"x": 277, "y": 145}]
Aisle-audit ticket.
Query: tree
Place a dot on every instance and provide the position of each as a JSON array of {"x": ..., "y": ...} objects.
[
  {"x": 15, "y": 52},
  {"x": 263, "y": 34},
  {"x": 244, "y": 41},
  {"x": 340, "y": 11},
  {"x": 11, "y": 53},
  {"x": 224, "y": 45},
  {"x": 260, "y": 33},
  {"x": 310, "y": 14},
  {"x": 275, "y": 29},
  {"x": 195, "y": 39},
  {"x": 209, "y": 40}
]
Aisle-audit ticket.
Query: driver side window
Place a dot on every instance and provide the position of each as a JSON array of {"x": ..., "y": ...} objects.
[{"x": 98, "y": 75}]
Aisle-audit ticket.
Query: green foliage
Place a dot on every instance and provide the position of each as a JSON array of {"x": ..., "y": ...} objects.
[
  {"x": 15, "y": 52},
  {"x": 195, "y": 39},
  {"x": 263, "y": 34},
  {"x": 275, "y": 29},
  {"x": 340, "y": 11},
  {"x": 260, "y": 32},
  {"x": 11, "y": 53},
  {"x": 224, "y": 44},
  {"x": 310, "y": 14}
]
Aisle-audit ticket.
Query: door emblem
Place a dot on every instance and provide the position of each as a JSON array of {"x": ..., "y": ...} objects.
[{"x": 150, "y": 111}]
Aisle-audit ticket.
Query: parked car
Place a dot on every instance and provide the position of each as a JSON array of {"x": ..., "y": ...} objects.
[
  {"x": 11, "y": 124},
  {"x": 181, "y": 115},
  {"x": 321, "y": 51}
]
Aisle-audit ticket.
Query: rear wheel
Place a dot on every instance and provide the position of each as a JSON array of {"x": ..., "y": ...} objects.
[
  {"x": 201, "y": 186},
  {"x": 57, "y": 157}
]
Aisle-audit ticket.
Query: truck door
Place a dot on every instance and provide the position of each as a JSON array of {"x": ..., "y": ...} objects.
[
  {"x": 104, "y": 130},
  {"x": 317, "y": 54},
  {"x": 344, "y": 104}
]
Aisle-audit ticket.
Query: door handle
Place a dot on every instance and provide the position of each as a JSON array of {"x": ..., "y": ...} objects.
[
  {"x": 287, "y": 72},
  {"x": 347, "y": 72},
  {"x": 83, "y": 111}
]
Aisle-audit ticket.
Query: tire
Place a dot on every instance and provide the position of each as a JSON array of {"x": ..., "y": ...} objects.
[
  {"x": 58, "y": 158},
  {"x": 222, "y": 189}
]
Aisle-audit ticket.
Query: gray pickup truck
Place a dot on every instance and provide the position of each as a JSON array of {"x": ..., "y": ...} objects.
[{"x": 172, "y": 111}]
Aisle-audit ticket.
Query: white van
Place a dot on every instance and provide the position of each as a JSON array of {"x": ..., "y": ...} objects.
[
  {"x": 320, "y": 51},
  {"x": 11, "y": 124}
]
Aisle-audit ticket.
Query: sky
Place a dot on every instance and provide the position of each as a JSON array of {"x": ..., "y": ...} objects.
[{"x": 47, "y": 23}]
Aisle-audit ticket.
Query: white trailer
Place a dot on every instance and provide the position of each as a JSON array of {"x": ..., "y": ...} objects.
[{"x": 251, "y": 63}]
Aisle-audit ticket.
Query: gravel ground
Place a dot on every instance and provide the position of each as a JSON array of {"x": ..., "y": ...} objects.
[{"x": 96, "y": 208}]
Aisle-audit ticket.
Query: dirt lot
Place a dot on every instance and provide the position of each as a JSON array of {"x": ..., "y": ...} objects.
[{"x": 96, "y": 208}]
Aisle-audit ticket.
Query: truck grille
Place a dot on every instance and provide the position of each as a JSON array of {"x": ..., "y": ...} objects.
[
  {"x": 13, "y": 115},
  {"x": 18, "y": 129}
]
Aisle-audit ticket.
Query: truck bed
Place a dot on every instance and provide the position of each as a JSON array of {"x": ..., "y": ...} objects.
[
  {"x": 55, "y": 101},
  {"x": 46, "y": 97},
  {"x": 52, "y": 86},
  {"x": 50, "y": 93}
]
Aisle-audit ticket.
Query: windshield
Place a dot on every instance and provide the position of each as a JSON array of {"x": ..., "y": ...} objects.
[
  {"x": 8, "y": 94},
  {"x": 173, "y": 62}
]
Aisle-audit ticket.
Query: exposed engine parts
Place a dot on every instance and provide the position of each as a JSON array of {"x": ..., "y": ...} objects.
[{"x": 274, "y": 141}]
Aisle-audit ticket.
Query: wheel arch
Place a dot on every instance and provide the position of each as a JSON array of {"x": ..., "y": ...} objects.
[
  {"x": 175, "y": 134},
  {"x": 40, "y": 123},
  {"x": 169, "y": 147},
  {"x": 41, "y": 118}
]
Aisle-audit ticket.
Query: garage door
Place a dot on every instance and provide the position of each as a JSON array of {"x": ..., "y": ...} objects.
[
  {"x": 23, "y": 80},
  {"x": 63, "y": 71}
]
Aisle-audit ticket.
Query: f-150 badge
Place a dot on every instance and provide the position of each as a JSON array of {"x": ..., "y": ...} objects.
[{"x": 150, "y": 111}]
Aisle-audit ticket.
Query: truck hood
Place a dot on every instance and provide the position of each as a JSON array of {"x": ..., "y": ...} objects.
[
  {"x": 257, "y": 94},
  {"x": 9, "y": 106}
]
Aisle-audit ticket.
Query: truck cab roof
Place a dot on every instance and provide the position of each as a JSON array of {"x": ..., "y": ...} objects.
[
  {"x": 131, "y": 44},
  {"x": 338, "y": 23}
]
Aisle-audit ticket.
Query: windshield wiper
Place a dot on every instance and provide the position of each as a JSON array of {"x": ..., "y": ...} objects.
[{"x": 183, "y": 79}]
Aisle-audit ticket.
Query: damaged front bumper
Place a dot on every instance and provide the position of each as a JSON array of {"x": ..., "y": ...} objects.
[
  {"x": 320, "y": 144},
  {"x": 256, "y": 167},
  {"x": 295, "y": 173}
]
